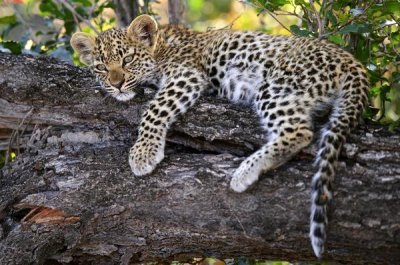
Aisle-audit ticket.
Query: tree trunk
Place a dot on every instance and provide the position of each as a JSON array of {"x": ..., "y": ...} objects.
[
  {"x": 176, "y": 9},
  {"x": 70, "y": 197},
  {"x": 127, "y": 10}
]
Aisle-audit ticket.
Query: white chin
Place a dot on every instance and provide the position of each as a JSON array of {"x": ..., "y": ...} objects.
[{"x": 124, "y": 96}]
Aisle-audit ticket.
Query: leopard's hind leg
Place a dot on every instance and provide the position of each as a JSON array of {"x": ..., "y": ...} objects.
[{"x": 289, "y": 130}]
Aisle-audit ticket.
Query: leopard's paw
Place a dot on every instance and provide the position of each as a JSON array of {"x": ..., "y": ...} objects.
[
  {"x": 244, "y": 176},
  {"x": 144, "y": 156}
]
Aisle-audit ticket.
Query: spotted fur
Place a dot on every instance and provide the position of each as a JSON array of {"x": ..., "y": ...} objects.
[{"x": 288, "y": 79}]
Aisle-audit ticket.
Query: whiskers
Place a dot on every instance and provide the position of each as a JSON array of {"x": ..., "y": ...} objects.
[
  {"x": 97, "y": 87},
  {"x": 106, "y": 96},
  {"x": 124, "y": 94}
]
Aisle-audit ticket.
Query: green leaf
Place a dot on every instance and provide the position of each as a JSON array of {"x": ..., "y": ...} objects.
[
  {"x": 8, "y": 20},
  {"x": 49, "y": 7},
  {"x": 337, "y": 39},
  {"x": 374, "y": 91},
  {"x": 280, "y": 2},
  {"x": 300, "y": 32},
  {"x": 396, "y": 76},
  {"x": 70, "y": 26},
  {"x": 374, "y": 76},
  {"x": 355, "y": 28},
  {"x": 304, "y": 4},
  {"x": 299, "y": 2},
  {"x": 384, "y": 90},
  {"x": 362, "y": 50},
  {"x": 343, "y": 17},
  {"x": 13, "y": 46},
  {"x": 331, "y": 17},
  {"x": 81, "y": 11},
  {"x": 370, "y": 112},
  {"x": 392, "y": 6},
  {"x": 273, "y": 5},
  {"x": 86, "y": 3}
]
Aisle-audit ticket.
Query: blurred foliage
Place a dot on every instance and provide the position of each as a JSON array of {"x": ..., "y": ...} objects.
[
  {"x": 368, "y": 29},
  {"x": 38, "y": 27}
]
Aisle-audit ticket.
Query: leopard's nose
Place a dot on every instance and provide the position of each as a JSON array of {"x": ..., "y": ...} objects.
[{"x": 118, "y": 84}]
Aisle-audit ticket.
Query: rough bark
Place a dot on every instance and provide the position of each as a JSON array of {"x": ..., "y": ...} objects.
[{"x": 70, "y": 196}]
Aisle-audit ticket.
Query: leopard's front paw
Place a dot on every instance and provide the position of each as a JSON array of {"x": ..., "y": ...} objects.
[
  {"x": 144, "y": 157},
  {"x": 244, "y": 176}
]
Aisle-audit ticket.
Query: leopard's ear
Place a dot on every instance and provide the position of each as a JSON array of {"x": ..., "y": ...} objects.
[
  {"x": 144, "y": 28},
  {"x": 83, "y": 44}
]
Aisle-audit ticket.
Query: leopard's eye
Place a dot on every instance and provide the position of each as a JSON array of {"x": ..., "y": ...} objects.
[
  {"x": 101, "y": 67},
  {"x": 128, "y": 59}
]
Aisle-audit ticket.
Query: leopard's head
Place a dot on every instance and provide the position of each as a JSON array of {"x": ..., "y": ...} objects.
[{"x": 122, "y": 59}]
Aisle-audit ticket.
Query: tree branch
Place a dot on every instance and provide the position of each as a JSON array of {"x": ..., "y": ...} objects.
[{"x": 71, "y": 197}]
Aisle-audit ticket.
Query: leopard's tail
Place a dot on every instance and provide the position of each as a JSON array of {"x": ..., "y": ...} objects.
[{"x": 345, "y": 114}]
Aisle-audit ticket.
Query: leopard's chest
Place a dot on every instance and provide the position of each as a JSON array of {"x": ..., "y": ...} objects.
[
  {"x": 237, "y": 64},
  {"x": 239, "y": 81},
  {"x": 237, "y": 76}
]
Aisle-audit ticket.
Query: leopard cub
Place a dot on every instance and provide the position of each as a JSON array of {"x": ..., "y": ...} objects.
[{"x": 287, "y": 79}]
